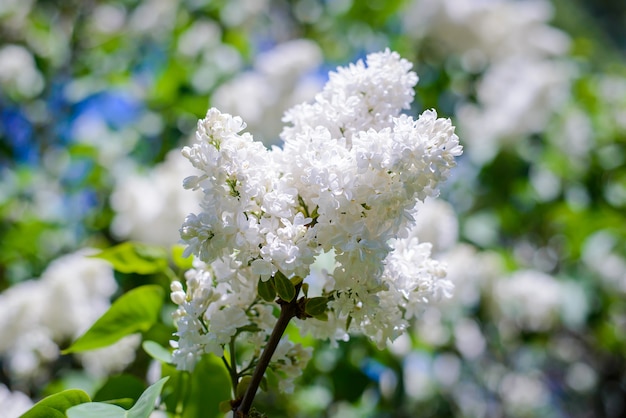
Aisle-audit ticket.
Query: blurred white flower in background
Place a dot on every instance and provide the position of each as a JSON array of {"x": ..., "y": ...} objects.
[
  {"x": 155, "y": 214},
  {"x": 108, "y": 18},
  {"x": 280, "y": 78},
  {"x": 529, "y": 299},
  {"x": 238, "y": 12},
  {"x": 37, "y": 316},
  {"x": 469, "y": 269},
  {"x": 522, "y": 301},
  {"x": 15, "y": 11},
  {"x": 523, "y": 76},
  {"x": 19, "y": 73},
  {"x": 437, "y": 223},
  {"x": 490, "y": 29},
  {"x": 612, "y": 89},
  {"x": 523, "y": 393},
  {"x": 13, "y": 403},
  {"x": 111, "y": 359},
  {"x": 155, "y": 18},
  {"x": 515, "y": 97},
  {"x": 600, "y": 254},
  {"x": 212, "y": 59}
]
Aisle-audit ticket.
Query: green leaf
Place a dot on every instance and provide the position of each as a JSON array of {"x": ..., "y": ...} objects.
[
  {"x": 97, "y": 410},
  {"x": 135, "y": 311},
  {"x": 316, "y": 306},
  {"x": 132, "y": 257},
  {"x": 121, "y": 402},
  {"x": 157, "y": 351},
  {"x": 55, "y": 405},
  {"x": 208, "y": 387},
  {"x": 285, "y": 289},
  {"x": 225, "y": 407},
  {"x": 296, "y": 280},
  {"x": 142, "y": 408},
  {"x": 266, "y": 290},
  {"x": 242, "y": 386},
  {"x": 145, "y": 404}
]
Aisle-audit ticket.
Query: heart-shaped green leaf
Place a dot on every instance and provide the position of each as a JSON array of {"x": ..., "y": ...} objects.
[
  {"x": 316, "y": 306},
  {"x": 97, "y": 410},
  {"x": 285, "y": 289},
  {"x": 135, "y": 311},
  {"x": 55, "y": 406},
  {"x": 266, "y": 290},
  {"x": 142, "y": 408}
]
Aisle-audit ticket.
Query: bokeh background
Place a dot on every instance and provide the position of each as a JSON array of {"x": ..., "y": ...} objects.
[{"x": 97, "y": 98}]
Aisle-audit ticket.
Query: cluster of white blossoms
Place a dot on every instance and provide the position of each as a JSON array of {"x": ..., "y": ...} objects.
[{"x": 346, "y": 181}]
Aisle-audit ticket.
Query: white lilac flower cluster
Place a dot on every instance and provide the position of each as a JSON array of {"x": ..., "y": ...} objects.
[{"x": 346, "y": 182}]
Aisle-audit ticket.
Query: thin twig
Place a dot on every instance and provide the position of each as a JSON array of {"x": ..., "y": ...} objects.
[{"x": 288, "y": 310}]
